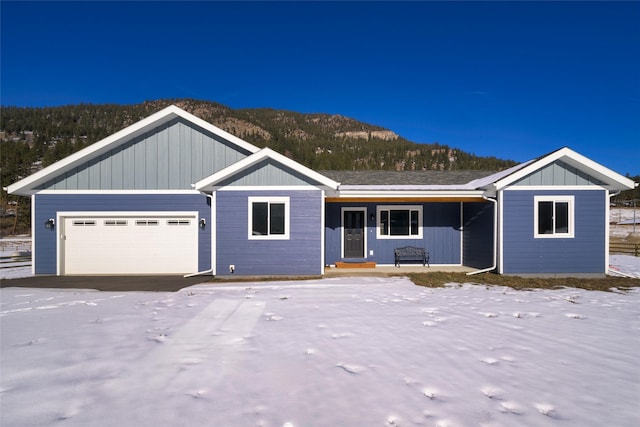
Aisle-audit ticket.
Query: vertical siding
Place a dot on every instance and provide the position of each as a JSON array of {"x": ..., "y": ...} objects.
[
  {"x": 173, "y": 156},
  {"x": 478, "y": 235},
  {"x": 441, "y": 233},
  {"x": 558, "y": 173},
  {"x": 300, "y": 255},
  {"x": 585, "y": 253},
  {"x": 48, "y": 205}
]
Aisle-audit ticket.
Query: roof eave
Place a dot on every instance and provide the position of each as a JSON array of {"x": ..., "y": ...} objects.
[
  {"x": 613, "y": 180},
  {"x": 209, "y": 183}
]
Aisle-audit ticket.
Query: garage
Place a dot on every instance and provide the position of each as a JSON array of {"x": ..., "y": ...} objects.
[{"x": 140, "y": 243}]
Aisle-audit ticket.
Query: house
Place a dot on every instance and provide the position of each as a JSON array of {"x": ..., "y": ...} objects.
[{"x": 173, "y": 194}]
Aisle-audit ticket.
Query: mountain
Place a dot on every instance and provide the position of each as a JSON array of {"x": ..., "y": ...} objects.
[{"x": 35, "y": 137}]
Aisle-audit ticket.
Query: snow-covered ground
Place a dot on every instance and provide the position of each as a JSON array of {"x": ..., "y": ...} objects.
[{"x": 334, "y": 352}]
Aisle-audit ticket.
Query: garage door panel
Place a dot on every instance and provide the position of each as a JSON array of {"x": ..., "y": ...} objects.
[{"x": 130, "y": 245}]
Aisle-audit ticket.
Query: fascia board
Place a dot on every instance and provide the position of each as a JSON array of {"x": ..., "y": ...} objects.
[
  {"x": 265, "y": 153},
  {"x": 613, "y": 179},
  {"x": 414, "y": 193},
  {"x": 25, "y": 186}
]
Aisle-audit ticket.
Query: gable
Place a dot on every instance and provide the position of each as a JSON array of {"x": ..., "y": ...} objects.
[
  {"x": 169, "y": 150},
  {"x": 561, "y": 167},
  {"x": 558, "y": 173},
  {"x": 173, "y": 155},
  {"x": 268, "y": 173}
]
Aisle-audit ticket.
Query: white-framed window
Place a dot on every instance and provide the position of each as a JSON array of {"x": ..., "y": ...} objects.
[
  {"x": 553, "y": 217},
  {"x": 268, "y": 218},
  {"x": 399, "y": 222}
]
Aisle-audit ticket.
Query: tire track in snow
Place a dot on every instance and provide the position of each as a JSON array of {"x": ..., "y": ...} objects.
[{"x": 193, "y": 360}]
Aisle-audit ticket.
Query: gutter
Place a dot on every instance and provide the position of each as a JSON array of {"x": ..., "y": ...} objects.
[{"x": 495, "y": 239}]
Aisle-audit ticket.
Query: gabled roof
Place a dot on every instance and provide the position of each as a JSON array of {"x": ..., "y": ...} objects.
[
  {"x": 613, "y": 181},
  {"x": 210, "y": 182},
  {"x": 28, "y": 185}
]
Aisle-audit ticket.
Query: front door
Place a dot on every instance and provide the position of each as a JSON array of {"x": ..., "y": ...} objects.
[{"x": 353, "y": 225}]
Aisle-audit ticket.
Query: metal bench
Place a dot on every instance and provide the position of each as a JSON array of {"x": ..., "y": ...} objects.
[{"x": 411, "y": 253}]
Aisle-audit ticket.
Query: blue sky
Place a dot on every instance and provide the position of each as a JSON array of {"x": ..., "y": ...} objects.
[{"x": 509, "y": 79}]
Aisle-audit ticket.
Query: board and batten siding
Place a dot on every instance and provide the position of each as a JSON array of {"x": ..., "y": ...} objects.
[
  {"x": 268, "y": 172},
  {"x": 524, "y": 254},
  {"x": 171, "y": 157},
  {"x": 558, "y": 173},
  {"x": 48, "y": 205},
  {"x": 441, "y": 233},
  {"x": 301, "y": 254}
]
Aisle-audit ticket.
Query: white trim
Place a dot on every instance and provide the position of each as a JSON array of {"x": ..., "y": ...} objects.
[
  {"x": 500, "y": 207},
  {"x": 255, "y": 188},
  {"x": 426, "y": 193},
  {"x": 33, "y": 233},
  {"x": 214, "y": 230},
  {"x": 613, "y": 179},
  {"x": 137, "y": 192},
  {"x": 409, "y": 208},
  {"x": 364, "y": 228},
  {"x": 131, "y": 214},
  {"x": 266, "y": 153},
  {"x": 607, "y": 212},
  {"x": 24, "y": 186},
  {"x": 62, "y": 215},
  {"x": 322, "y": 232},
  {"x": 570, "y": 200},
  {"x": 269, "y": 200},
  {"x": 555, "y": 188}
]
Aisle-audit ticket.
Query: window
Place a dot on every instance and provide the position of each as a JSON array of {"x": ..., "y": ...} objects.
[
  {"x": 115, "y": 222},
  {"x": 268, "y": 218},
  {"x": 553, "y": 216},
  {"x": 178, "y": 222},
  {"x": 83, "y": 223},
  {"x": 146, "y": 222},
  {"x": 399, "y": 222}
]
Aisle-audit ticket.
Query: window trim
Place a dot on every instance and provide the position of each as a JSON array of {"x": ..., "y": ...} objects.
[
  {"x": 418, "y": 208},
  {"x": 570, "y": 200},
  {"x": 269, "y": 201}
]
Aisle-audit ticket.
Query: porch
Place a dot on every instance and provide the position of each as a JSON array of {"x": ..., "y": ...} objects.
[{"x": 389, "y": 270}]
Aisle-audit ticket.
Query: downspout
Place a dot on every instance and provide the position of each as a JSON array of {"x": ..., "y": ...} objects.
[
  {"x": 199, "y": 273},
  {"x": 495, "y": 239}
]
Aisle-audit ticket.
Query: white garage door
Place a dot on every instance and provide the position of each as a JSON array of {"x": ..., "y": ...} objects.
[{"x": 140, "y": 244}]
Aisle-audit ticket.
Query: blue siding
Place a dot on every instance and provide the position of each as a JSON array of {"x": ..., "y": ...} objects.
[
  {"x": 585, "y": 253},
  {"x": 478, "y": 235},
  {"x": 48, "y": 205},
  {"x": 300, "y": 255},
  {"x": 441, "y": 233}
]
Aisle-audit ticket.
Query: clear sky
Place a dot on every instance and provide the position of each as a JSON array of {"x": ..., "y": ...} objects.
[{"x": 509, "y": 79}]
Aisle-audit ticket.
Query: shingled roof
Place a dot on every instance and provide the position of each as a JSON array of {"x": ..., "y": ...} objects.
[{"x": 377, "y": 177}]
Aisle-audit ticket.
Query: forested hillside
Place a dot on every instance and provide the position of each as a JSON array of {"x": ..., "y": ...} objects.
[{"x": 32, "y": 138}]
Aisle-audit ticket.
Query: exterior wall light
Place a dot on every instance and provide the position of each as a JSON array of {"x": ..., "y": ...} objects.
[
  {"x": 50, "y": 223},
  {"x": 203, "y": 222}
]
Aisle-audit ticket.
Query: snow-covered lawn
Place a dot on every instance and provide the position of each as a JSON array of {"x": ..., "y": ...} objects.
[{"x": 333, "y": 352}]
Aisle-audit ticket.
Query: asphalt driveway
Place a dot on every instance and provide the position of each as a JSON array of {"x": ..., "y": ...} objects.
[{"x": 107, "y": 283}]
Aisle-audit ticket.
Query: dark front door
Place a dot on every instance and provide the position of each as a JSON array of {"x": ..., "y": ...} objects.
[{"x": 353, "y": 234}]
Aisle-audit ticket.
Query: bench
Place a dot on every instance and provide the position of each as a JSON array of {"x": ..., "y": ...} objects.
[{"x": 411, "y": 253}]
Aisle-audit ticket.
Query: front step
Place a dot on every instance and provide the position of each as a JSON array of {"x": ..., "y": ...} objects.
[{"x": 363, "y": 264}]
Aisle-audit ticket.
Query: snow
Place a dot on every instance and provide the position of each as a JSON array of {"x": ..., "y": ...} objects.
[{"x": 344, "y": 351}]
